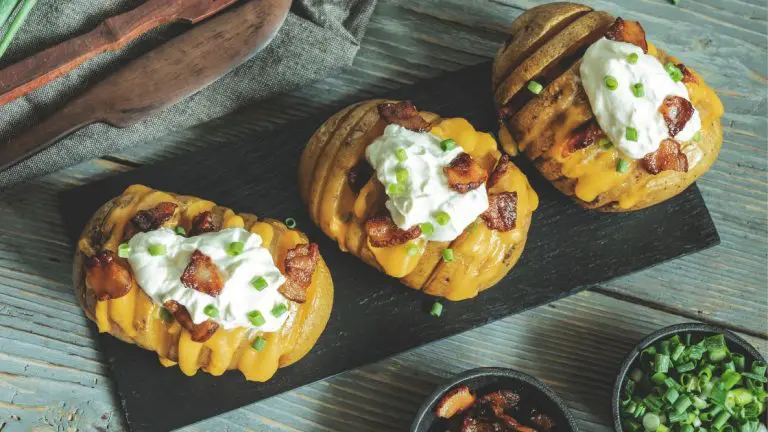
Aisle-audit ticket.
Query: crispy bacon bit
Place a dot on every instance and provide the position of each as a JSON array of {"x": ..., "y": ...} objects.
[
  {"x": 455, "y": 401},
  {"x": 542, "y": 422},
  {"x": 688, "y": 76},
  {"x": 502, "y": 167},
  {"x": 676, "y": 111},
  {"x": 201, "y": 274},
  {"x": 464, "y": 174},
  {"x": 359, "y": 175},
  {"x": 106, "y": 276},
  {"x": 202, "y": 223},
  {"x": 300, "y": 263},
  {"x": 148, "y": 220},
  {"x": 669, "y": 157},
  {"x": 502, "y": 211},
  {"x": 501, "y": 401},
  {"x": 382, "y": 232},
  {"x": 628, "y": 31},
  {"x": 404, "y": 114},
  {"x": 199, "y": 332},
  {"x": 584, "y": 137}
]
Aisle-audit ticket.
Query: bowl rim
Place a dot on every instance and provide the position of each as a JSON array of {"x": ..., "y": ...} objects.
[
  {"x": 471, "y": 374},
  {"x": 688, "y": 327}
]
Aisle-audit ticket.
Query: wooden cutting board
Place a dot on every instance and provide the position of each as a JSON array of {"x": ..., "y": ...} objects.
[{"x": 374, "y": 316}]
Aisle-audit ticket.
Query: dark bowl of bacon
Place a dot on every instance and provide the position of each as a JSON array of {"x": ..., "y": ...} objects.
[{"x": 493, "y": 399}]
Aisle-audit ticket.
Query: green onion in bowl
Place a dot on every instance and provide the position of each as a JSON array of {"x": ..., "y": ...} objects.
[{"x": 690, "y": 383}]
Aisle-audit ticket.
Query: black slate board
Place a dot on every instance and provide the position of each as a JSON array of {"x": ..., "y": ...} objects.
[{"x": 374, "y": 317}]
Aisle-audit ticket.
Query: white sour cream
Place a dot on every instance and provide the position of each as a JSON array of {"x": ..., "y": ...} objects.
[
  {"x": 426, "y": 190},
  {"x": 618, "y": 109},
  {"x": 160, "y": 276}
]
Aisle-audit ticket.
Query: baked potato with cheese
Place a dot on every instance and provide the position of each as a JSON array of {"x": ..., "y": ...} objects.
[
  {"x": 347, "y": 201},
  {"x": 107, "y": 286},
  {"x": 546, "y": 114}
]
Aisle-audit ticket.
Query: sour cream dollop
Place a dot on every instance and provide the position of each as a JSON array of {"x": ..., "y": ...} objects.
[
  {"x": 426, "y": 191},
  {"x": 160, "y": 276},
  {"x": 618, "y": 109}
]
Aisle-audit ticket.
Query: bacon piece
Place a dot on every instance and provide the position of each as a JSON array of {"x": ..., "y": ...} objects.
[
  {"x": 202, "y": 223},
  {"x": 669, "y": 157},
  {"x": 152, "y": 219},
  {"x": 359, "y": 175},
  {"x": 688, "y": 76},
  {"x": 502, "y": 167},
  {"x": 404, "y": 114},
  {"x": 455, "y": 401},
  {"x": 201, "y": 274},
  {"x": 106, "y": 276},
  {"x": 629, "y": 32},
  {"x": 300, "y": 263},
  {"x": 501, "y": 401},
  {"x": 676, "y": 111},
  {"x": 502, "y": 211},
  {"x": 464, "y": 174},
  {"x": 382, "y": 232},
  {"x": 584, "y": 137},
  {"x": 199, "y": 332},
  {"x": 543, "y": 422}
]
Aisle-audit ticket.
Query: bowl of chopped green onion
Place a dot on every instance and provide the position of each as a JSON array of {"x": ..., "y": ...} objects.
[{"x": 691, "y": 378}]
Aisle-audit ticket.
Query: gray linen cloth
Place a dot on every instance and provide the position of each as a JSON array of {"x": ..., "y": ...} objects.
[{"x": 318, "y": 36}]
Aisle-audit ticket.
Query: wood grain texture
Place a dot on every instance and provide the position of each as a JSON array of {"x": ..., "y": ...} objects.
[
  {"x": 570, "y": 344},
  {"x": 114, "y": 33}
]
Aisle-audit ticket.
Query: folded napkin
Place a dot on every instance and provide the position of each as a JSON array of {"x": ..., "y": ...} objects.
[{"x": 318, "y": 36}]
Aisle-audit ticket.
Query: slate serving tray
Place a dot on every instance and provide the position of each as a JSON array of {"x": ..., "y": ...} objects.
[{"x": 374, "y": 316}]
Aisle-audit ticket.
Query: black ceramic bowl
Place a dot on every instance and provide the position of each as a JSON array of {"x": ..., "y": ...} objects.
[
  {"x": 486, "y": 380},
  {"x": 735, "y": 344}
]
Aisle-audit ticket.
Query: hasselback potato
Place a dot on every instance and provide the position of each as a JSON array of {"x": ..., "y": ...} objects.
[
  {"x": 112, "y": 256},
  {"x": 349, "y": 202},
  {"x": 545, "y": 112}
]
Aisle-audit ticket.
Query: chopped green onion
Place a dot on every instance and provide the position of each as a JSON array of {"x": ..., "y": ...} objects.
[
  {"x": 720, "y": 420},
  {"x": 448, "y": 255},
  {"x": 235, "y": 248},
  {"x": 123, "y": 250},
  {"x": 290, "y": 223},
  {"x": 671, "y": 395},
  {"x": 447, "y": 144},
  {"x": 259, "y": 283},
  {"x": 401, "y": 154},
  {"x": 427, "y": 228},
  {"x": 166, "y": 315},
  {"x": 279, "y": 310},
  {"x": 256, "y": 318},
  {"x": 632, "y": 134},
  {"x": 638, "y": 90},
  {"x": 738, "y": 361},
  {"x": 442, "y": 217},
  {"x": 651, "y": 421},
  {"x": 535, "y": 87},
  {"x": 633, "y": 58},
  {"x": 156, "y": 249},
  {"x": 402, "y": 175},
  {"x": 622, "y": 166},
  {"x": 682, "y": 404},
  {"x": 697, "y": 136},
  {"x": 611, "y": 82},
  {"x": 674, "y": 72},
  {"x": 259, "y": 343},
  {"x": 6, "y": 10},
  {"x": 412, "y": 249},
  {"x": 437, "y": 309},
  {"x": 686, "y": 367},
  {"x": 211, "y": 311},
  {"x": 180, "y": 230},
  {"x": 395, "y": 189}
]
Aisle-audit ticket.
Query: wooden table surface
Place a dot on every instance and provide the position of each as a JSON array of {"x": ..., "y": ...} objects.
[{"x": 52, "y": 377}]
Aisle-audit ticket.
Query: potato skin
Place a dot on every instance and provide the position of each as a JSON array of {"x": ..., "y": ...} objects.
[
  {"x": 483, "y": 256},
  {"x": 104, "y": 231},
  {"x": 539, "y": 124}
]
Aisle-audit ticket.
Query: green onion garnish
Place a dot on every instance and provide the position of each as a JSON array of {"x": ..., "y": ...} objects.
[
  {"x": 442, "y": 217},
  {"x": 447, "y": 144},
  {"x": 674, "y": 72},
  {"x": 156, "y": 249},
  {"x": 622, "y": 166},
  {"x": 279, "y": 309},
  {"x": 180, "y": 230},
  {"x": 259, "y": 343},
  {"x": 611, "y": 82},
  {"x": 631, "y": 133},
  {"x": 638, "y": 90},
  {"x": 402, "y": 175},
  {"x": 427, "y": 228},
  {"x": 400, "y": 154},
  {"x": 395, "y": 189},
  {"x": 290, "y": 223},
  {"x": 535, "y": 87},
  {"x": 259, "y": 283},
  {"x": 697, "y": 136},
  {"x": 633, "y": 58},
  {"x": 256, "y": 318},
  {"x": 411, "y": 249},
  {"x": 211, "y": 311},
  {"x": 123, "y": 250},
  {"x": 166, "y": 315},
  {"x": 235, "y": 248},
  {"x": 437, "y": 309},
  {"x": 448, "y": 255},
  {"x": 605, "y": 143}
]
